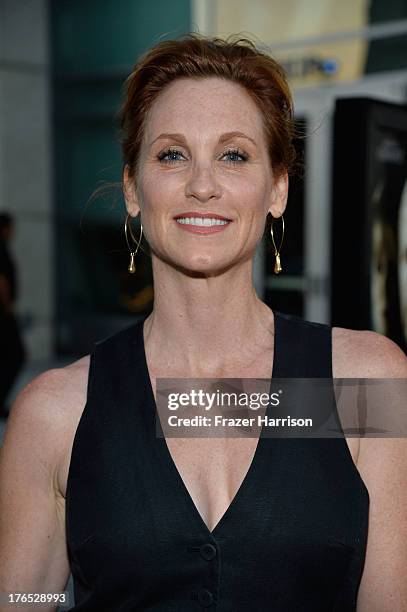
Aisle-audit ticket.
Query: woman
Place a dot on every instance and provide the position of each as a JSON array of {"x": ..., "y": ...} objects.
[{"x": 233, "y": 524}]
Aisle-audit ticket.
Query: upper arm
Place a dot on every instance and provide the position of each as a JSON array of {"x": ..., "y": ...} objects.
[
  {"x": 382, "y": 463},
  {"x": 32, "y": 530}
]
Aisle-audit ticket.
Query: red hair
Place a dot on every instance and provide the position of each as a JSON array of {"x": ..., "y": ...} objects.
[{"x": 197, "y": 56}]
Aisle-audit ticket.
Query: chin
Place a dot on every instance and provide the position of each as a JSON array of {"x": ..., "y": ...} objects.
[
  {"x": 197, "y": 264},
  {"x": 202, "y": 267}
]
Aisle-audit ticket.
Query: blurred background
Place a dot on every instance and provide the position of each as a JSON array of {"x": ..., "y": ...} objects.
[
  {"x": 63, "y": 64},
  {"x": 62, "y": 68},
  {"x": 63, "y": 258}
]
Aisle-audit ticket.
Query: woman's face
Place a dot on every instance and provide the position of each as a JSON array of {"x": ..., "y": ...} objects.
[{"x": 193, "y": 161}]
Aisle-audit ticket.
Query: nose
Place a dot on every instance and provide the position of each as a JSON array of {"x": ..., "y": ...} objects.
[{"x": 202, "y": 183}]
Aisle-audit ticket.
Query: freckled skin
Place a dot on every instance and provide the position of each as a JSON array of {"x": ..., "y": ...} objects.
[
  {"x": 241, "y": 191},
  {"x": 209, "y": 278}
]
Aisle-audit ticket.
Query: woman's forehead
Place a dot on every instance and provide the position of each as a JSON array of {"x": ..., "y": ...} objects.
[{"x": 208, "y": 106}]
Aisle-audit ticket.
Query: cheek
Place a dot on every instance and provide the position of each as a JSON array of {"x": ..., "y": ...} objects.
[
  {"x": 247, "y": 196},
  {"x": 253, "y": 187},
  {"x": 158, "y": 197},
  {"x": 158, "y": 191},
  {"x": 254, "y": 201}
]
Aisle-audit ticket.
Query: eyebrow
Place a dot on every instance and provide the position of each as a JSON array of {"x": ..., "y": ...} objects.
[{"x": 223, "y": 138}]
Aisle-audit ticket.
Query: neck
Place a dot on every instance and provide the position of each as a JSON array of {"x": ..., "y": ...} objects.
[{"x": 207, "y": 323}]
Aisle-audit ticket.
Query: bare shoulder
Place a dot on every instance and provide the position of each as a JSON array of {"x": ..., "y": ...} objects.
[
  {"x": 382, "y": 463},
  {"x": 54, "y": 394},
  {"x": 366, "y": 354},
  {"x": 38, "y": 432},
  {"x": 49, "y": 408}
]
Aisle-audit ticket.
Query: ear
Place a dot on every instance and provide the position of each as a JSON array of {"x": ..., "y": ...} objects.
[
  {"x": 279, "y": 194},
  {"x": 130, "y": 193}
]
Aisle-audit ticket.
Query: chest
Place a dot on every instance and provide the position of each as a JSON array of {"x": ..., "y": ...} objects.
[
  {"x": 214, "y": 469},
  {"x": 250, "y": 521}
]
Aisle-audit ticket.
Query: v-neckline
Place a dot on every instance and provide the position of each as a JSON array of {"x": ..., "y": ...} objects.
[{"x": 177, "y": 481}]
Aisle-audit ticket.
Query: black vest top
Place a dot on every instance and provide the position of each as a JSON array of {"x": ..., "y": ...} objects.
[{"x": 292, "y": 540}]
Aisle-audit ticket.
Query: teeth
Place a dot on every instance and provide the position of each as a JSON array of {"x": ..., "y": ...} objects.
[{"x": 201, "y": 221}]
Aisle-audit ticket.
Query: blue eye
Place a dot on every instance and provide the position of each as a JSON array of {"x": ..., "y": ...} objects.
[
  {"x": 164, "y": 154},
  {"x": 170, "y": 156},
  {"x": 236, "y": 153}
]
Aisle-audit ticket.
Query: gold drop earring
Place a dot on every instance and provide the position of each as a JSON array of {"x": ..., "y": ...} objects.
[
  {"x": 277, "y": 265},
  {"x": 128, "y": 230}
]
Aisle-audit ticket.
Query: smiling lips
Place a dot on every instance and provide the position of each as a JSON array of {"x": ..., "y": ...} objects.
[{"x": 202, "y": 223}]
